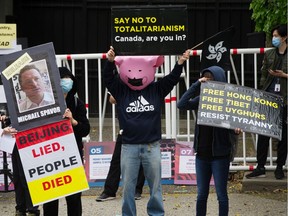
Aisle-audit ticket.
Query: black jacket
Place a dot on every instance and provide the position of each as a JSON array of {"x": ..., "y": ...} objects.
[
  {"x": 139, "y": 111},
  {"x": 78, "y": 110},
  {"x": 221, "y": 142}
]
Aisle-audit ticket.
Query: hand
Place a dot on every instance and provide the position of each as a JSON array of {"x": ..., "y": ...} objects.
[
  {"x": 278, "y": 73},
  {"x": 204, "y": 79},
  {"x": 2, "y": 118},
  {"x": 9, "y": 130},
  {"x": 184, "y": 57},
  {"x": 111, "y": 54},
  {"x": 238, "y": 131},
  {"x": 112, "y": 100},
  {"x": 68, "y": 114}
]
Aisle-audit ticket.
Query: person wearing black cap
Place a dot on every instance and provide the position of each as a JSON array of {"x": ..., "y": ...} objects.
[{"x": 76, "y": 112}]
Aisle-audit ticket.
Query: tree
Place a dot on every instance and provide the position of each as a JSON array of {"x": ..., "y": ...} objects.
[{"x": 267, "y": 14}]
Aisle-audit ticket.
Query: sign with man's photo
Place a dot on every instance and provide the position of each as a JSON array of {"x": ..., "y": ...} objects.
[{"x": 32, "y": 87}]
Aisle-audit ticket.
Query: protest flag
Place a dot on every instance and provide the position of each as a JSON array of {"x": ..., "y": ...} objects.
[{"x": 216, "y": 49}]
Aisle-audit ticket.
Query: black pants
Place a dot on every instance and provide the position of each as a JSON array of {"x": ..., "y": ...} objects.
[
  {"x": 74, "y": 206},
  {"x": 74, "y": 203},
  {"x": 113, "y": 177},
  {"x": 22, "y": 195},
  {"x": 263, "y": 145}
]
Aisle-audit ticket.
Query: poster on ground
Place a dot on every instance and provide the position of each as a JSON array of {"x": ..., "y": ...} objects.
[
  {"x": 98, "y": 156},
  {"x": 149, "y": 30},
  {"x": 167, "y": 147},
  {"x": 6, "y": 183},
  {"x": 233, "y": 106},
  {"x": 185, "y": 172},
  {"x": 51, "y": 162},
  {"x": 185, "y": 164},
  {"x": 177, "y": 162}
]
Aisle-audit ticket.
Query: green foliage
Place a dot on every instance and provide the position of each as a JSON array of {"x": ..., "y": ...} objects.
[{"x": 268, "y": 13}]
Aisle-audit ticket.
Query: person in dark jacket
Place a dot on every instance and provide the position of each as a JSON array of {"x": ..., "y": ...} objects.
[
  {"x": 274, "y": 79},
  {"x": 113, "y": 177},
  {"x": 212, "y": 147},
  {"x": 22, "y": 195},
  {"x": 139, "y": 101},
  {"x": 77, "y": 114}
]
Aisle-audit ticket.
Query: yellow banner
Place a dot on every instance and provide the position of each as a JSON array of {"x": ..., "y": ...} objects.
[
  {"x": 56, "y": 186},
  {"x": 7, "y": 36},
  {"x": 16, "y": 66}
]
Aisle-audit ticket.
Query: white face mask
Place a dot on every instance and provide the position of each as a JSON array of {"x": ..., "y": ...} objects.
[
  {"x": 276, "y": 41},
  {"x": 66, "y": 85}
]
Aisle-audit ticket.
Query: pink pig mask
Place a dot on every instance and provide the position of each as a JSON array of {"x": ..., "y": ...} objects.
[{"x": 137, "y": 72}]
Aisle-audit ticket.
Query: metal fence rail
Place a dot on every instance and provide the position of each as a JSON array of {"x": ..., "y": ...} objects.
[{"x": 173, "y": 126}]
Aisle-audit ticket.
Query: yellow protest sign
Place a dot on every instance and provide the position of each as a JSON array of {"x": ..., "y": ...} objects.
[{"x": 7, "y": 36}]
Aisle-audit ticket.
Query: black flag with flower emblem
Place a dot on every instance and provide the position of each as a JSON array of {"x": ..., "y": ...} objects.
[{"x": 216, "y": 49}]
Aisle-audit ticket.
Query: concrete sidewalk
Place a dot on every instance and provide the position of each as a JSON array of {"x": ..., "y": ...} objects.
[
  {"x": 179, "y": 200},
  {"x": 175, "y": 204}
]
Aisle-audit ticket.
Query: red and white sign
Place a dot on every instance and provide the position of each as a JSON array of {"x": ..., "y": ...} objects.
[{"x": 51, "y": 162}]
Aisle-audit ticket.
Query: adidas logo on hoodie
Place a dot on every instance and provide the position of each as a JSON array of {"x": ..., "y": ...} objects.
[{"x": 140, "y": 105}]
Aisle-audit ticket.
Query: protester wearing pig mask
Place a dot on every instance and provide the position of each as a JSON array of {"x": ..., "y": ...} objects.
[{"x": 139, "y": 101}]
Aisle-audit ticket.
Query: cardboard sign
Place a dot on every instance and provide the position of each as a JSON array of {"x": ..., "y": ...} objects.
[
  {"x": 150, "y": 30},
  {"x": 51, "y": 162},
  {"x": 185, "y": 164},
  {"x": 232, "y": 106},
  {"x": 24, "y": 113},
  {"x": 4, "y": 179},
  {"x": 7, "y": 36}
]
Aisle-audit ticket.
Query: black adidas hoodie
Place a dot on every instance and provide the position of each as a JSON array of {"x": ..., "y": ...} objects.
[{"x": 139, "y": 112}]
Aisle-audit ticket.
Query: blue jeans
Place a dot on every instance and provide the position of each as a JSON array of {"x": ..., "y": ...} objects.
[
  {"x": 132, "y": 155},
  {"x": 205, "y": 168}
]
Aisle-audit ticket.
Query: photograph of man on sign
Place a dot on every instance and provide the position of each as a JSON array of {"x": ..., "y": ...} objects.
[{"x": 32, "y": 87}]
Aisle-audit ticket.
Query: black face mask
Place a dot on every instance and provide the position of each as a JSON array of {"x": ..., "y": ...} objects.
[{"x": 135, "y": 82}]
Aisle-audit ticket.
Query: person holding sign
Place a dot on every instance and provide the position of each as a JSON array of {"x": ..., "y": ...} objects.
[
  {"x": 212, "y": 145},
  {"x": 7, "y": 129},
  {"x": 22, "y": 195},
  {"x": 139, "y": 101},
  {"x": 113, "y": 177},
  {"x": 77, "y": 114},
  {"x": 274, "y": 79}
]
